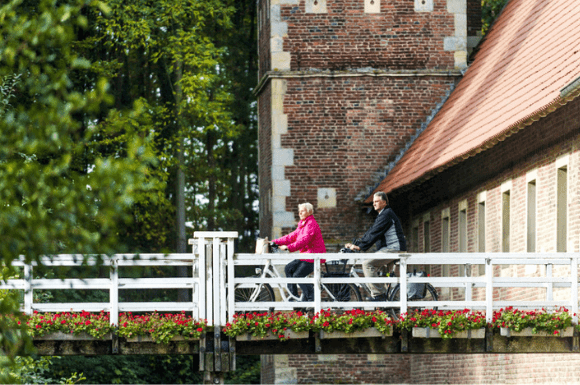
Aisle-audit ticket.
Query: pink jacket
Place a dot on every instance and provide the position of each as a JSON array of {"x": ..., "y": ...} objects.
[{"x": 307, "y": 238}]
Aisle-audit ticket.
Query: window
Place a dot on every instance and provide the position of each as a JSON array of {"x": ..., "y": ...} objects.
[
  {"x": 531, "y": 212},
  {"x": 481, "y": 227},
  {"x": 463, "y": 226},
  {"x": 415, "y": 236},
  {"x": 562, "y": 205},
  {"x": 505, "y": 216},
  {"x": 426, "y": 233},
  {"x": 481, "y": 222},
  {"x": 445, "y": 233},
  {"x": 445, "y": 230}
]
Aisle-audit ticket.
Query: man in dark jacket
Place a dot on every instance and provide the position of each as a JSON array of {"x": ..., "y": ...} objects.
[{"x": 387, "y": 233}]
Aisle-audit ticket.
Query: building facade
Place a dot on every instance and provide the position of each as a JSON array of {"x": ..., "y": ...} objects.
[
  {"x": 476, "y": 156},
  {"x": 345, "y": 86}
]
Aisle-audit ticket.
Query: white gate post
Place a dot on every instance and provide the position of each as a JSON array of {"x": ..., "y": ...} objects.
[
  {"x": 202, "y": 311},
  {"x": 217, "y": 304},
  {"x": 213, "y": 302},
  {"x": 231, "y": 298}
]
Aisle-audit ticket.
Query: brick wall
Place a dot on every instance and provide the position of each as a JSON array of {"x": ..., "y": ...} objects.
[
  {"x": 343, "y": 130},
  {"x": 423, "y": 369},
  {"x": 346, "y": 37},
  {"x": 494, "y": 369},
  {"x": 542, "y": 148},
  {"x": 350, "y": 368}
]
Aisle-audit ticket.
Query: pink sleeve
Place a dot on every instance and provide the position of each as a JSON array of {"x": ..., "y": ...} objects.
[
  {"x": 286, "y": 239},
  {"x": 306, "y": 235}
]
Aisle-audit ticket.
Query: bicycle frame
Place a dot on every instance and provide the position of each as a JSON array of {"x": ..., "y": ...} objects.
[{"x": 269, "y": 270}]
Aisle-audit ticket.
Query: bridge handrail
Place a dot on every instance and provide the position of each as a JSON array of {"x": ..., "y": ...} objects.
[
  {"x": 213, "y": 265},
  {"x": 408, "y": 260}
]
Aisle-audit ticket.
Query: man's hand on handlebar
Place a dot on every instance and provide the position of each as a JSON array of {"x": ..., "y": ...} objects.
[{"x": 352, "y": 247}]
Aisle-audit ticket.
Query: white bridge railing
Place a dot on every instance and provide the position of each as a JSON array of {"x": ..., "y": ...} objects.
[
  {"x": 558, "y": 281},
  {"x": 214, "y": 276}
]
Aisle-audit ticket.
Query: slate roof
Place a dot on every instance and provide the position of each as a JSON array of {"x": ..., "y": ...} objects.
[{"x": 528, "y": 57}]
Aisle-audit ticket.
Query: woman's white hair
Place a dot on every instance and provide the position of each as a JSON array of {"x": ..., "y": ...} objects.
[{"x": 307, "y": 206}]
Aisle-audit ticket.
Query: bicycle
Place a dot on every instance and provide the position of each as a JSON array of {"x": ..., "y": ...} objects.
[
  {"x": 264, "y": 292},
  {"x": 420, "y": 292}
]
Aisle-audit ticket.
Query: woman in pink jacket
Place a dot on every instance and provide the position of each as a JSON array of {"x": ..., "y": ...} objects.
[{"x": 307, "y": 238}]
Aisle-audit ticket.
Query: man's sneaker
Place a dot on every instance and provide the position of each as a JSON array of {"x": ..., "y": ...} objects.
[{"x": 378, "y": 298}]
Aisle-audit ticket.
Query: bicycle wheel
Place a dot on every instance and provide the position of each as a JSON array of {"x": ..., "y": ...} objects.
[
  {"x": 260, "y": 293},
  {"x": 344, "y": 292},
  {"x": 430, "y": 295}
]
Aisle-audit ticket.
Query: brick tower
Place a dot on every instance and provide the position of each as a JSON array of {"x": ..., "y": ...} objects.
[{"x": 345, "y": 86}]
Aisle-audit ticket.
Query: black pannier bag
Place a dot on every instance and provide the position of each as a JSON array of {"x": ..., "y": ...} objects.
[{"x": 416, "y": 290}]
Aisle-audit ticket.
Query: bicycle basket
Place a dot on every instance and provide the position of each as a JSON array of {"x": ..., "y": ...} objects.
[{"x": 336, "y": 268}]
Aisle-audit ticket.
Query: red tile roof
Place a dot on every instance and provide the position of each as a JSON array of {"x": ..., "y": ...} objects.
[{"x": 531, "y": 53}]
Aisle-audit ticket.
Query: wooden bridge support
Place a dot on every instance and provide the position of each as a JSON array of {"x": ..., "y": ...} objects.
[
  {"x": 216, "y": 357},
  {"x": 220, "y": 357}
]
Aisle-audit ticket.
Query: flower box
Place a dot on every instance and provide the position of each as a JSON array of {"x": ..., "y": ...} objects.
[
  {"x": 288, "y": 334},
  {"x": 72, "y": 337},
  {"x": 150, "y": 339},
  {"x": 527, "y": 332},
  {"x": 434, "y": 333},
  {"x": 370, "y": 332}
]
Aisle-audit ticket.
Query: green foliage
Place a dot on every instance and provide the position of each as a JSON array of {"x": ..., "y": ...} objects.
[
  {"x": 58, "y": 194},
  {"x": 490, "y": 10},
  {"x": 247, "y": 371},
  {"x": 131, "y": 369},
  {"x": 28, "y": 370}
]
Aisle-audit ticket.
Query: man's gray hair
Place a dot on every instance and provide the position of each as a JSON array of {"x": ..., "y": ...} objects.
[
  {"x": 382, "y": 195},
  {"x": 307, "y": 206}
]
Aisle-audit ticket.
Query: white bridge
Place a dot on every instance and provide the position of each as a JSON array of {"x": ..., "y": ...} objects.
[{"x": 552, "y": 280}]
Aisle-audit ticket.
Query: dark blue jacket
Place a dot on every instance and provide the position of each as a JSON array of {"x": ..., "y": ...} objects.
[{"x": 385, "y": 232}]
